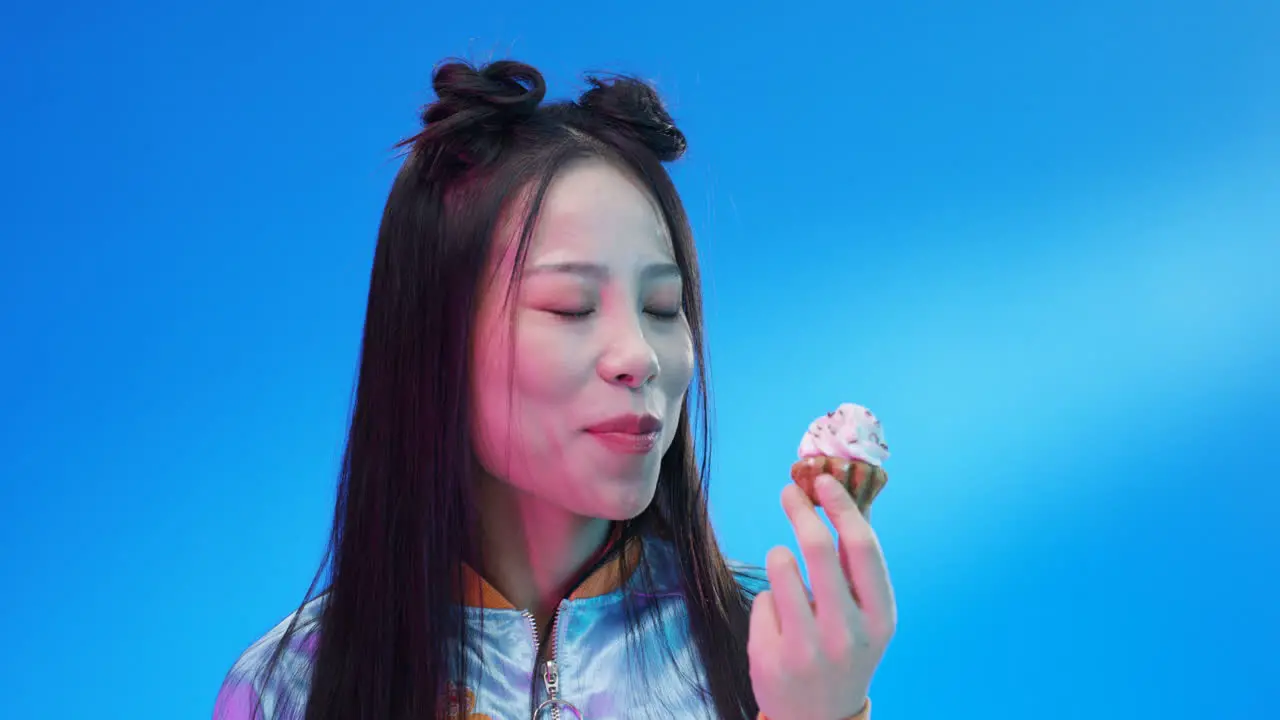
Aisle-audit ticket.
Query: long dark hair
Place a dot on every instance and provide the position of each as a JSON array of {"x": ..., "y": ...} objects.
[{"x": 391, "y": 629}]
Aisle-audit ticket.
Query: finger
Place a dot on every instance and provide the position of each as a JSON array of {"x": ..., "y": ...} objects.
[
  {"x": 764, "y": 620},
  {"x": 862, "y": 558},
  {"x": 830, "y": 587},
  {"x": 795, "y": 616},
  {"x": 763, "y": 639}
]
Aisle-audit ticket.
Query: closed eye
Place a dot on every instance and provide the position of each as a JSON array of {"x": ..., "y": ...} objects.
[
  {"x": 573, "y": 314},
  {"x": 663, "y": 314}
]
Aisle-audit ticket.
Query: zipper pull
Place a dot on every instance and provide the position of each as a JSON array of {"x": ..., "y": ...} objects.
[{"x": 551, "y": 676}]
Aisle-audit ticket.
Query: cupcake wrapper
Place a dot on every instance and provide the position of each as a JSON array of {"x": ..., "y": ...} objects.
[{"x": 863, "y": 480}]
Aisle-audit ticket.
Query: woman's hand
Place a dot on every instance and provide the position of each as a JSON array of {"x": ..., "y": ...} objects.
[{"x": 814, "y": 660}]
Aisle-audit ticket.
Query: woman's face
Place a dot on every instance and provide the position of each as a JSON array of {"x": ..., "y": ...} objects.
[{"x": 577, "y": 403}]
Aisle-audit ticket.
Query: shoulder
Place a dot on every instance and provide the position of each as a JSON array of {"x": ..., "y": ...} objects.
[{"x": 272, "y": 678}]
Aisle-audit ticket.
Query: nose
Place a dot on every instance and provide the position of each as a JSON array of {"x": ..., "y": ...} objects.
[{"x": 630, "y": 360}]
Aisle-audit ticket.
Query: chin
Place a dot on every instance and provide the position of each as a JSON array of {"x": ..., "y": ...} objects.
[
  {"x": 621, "y": 514},
  {"x": 625, "y": 501}
]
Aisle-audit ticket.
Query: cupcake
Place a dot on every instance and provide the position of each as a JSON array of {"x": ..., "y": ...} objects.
[{"x": 848, "y": 444}]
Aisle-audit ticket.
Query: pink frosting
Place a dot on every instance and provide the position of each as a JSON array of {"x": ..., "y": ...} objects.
[{"x": 851, "y": 432}]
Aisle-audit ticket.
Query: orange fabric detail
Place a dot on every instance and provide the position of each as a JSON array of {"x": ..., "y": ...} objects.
[
  {"x": 611, "y": 575},
  {"x": 460, "y": 703},
  {"x": 477, "y": 592}
]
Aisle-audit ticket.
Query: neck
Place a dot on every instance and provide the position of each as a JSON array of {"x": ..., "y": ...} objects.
[{"x": 534, "y": 551}]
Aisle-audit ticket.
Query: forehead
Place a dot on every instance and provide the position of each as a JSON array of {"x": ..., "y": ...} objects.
[{"x": 593, "y": 210}]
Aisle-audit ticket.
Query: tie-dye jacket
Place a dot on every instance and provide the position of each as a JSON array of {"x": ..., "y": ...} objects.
[{"x": 587, "y": 672}]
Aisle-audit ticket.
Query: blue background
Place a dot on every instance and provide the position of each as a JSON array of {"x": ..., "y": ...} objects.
[{"x": 1041, "y": 240}]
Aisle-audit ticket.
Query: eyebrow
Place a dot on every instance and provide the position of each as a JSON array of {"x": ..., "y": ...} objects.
[{"x": 601, "y": 273}]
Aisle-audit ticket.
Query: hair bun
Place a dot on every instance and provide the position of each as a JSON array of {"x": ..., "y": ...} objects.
[
  {"x": 634, "y": 107},
  {"x": 474, "y": 104}
]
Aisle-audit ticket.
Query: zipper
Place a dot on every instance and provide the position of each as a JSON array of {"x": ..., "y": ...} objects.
[{"x": 550, "y": 671}]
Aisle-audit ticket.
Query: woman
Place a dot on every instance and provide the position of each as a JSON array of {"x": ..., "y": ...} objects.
[{"x": 521, "y": 525}]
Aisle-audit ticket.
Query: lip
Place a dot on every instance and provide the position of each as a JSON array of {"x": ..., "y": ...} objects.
[
  {"x": 628, "y": 443},
  {"x": 630, "y": 434},
  {"x": 632, "y": 424}
]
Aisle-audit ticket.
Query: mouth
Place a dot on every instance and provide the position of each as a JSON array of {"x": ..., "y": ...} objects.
[
  {"x": 628, "y": 434},
  {"x": 628, "y": 443}
]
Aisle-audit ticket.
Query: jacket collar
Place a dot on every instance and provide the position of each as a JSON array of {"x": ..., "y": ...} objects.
[{"x": 607, "y": 578}]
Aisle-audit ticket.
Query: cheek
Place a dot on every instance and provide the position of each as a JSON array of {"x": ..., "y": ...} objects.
[
  {"x": 676, "y": 360},
  {"x": 675, "y": 357},
  {"x": 490, "y": 370},
  {"x": 546, "y": 363},
  {"x": 525, "y": 385},
  {"x": 526, "y": 400}
]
